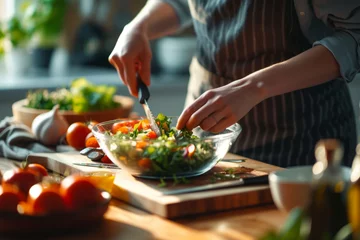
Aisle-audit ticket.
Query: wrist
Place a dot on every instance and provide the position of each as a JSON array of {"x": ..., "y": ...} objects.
[
  {"x": 255, "y": 86},
  {"x": 137, "y": 27}
]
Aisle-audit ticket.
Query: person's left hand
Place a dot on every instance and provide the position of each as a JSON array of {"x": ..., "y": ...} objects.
[{"x": 218, "y": 108}]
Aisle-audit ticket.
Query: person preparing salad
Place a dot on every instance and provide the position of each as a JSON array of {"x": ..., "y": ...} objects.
[{"x": 280, "y": 68}]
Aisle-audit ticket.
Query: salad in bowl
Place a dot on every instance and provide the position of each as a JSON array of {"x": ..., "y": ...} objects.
[{"x": 135, "y": 147}]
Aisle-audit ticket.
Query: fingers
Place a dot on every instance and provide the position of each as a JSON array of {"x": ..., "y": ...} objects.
[
  {"x": 130, "y": 76},
  {"x": 198, "y": 111},
  {"x": 115, "y": 61},
  {"x": 212, "y": 120},
  {"x": 188, "y": 112},
  {"x": 221, "y": 125}
]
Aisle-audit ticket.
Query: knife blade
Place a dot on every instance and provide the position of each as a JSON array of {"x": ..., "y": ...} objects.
[
  {"x": 98, "y": 165},
  {"x": 240, "y": 182},
  {"x": 144, "y": 96}
]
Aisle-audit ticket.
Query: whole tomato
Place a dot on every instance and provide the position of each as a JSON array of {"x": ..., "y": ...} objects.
[
  {"x": 37, "y": 168},
  {"x": 10, "y": 197},
  {"x": 79, "y": 192},
  {"x": 91, "y": 142},
  {"x": 76, "y": 135},
  {"x": 21, "y": 178},
  {"x": 45, "y": 199}
]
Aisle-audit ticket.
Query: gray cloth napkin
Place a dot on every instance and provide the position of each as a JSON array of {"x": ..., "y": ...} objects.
[{"x": 17, "y": 141}]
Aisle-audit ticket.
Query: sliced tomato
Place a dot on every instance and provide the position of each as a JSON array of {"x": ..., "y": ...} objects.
[
  {"x": 151, "y": 135},
  {"x": 145, "y": 124}
]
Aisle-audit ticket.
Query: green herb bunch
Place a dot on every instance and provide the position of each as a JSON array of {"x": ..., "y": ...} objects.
[{"x": 82, "y": 96}]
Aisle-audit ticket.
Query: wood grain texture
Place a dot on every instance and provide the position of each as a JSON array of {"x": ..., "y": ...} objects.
[{"x": 145, "y": 194}]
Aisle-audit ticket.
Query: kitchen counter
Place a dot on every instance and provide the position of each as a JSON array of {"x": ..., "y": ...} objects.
[{"x": 167, "y": 90}]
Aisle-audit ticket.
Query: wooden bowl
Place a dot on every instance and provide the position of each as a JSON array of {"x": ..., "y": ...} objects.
[
  {"x": 26, "y": 115},
  {"x": 21, "y": 225}
]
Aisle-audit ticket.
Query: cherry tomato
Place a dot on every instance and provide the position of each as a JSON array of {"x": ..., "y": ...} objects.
[
  {"x": 116, "y": 126},
  {"x": 10, "y": 197},
  {"x": 76, "y": 135},
  {"x": 145, "y": 163},
  {"x": 151, "y": 135},
  {"x": 79, "y": 192},
  {"x": 21, "y": 178},
  {"x": 45, "y": 199},
  {"x": 38, "y": 168},
  {"x": 92, "y": 142}
]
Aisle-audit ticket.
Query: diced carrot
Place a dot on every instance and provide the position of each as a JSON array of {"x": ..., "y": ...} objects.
[
  {"x": 145, "y": 163},
  {"x": 152, "y": 135},
  {"x": 141, "y": 144}
]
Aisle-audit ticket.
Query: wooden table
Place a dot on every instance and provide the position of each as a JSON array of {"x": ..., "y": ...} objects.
[
  {"x": 123, "y": 221},
  {"x": 126, "y": 222}
]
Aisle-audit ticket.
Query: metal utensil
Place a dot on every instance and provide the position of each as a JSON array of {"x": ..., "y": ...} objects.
[
  {"x": 233, "y": 160},
  {"x": 240, "y": 182},
  {"x": 144, "y": 96},
  {"x": 98, "y": 165}
]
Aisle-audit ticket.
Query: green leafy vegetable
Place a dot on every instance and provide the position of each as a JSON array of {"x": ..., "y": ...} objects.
[
  {"x": 81, "y": 97},
  {"x": 174, "y": 152}
]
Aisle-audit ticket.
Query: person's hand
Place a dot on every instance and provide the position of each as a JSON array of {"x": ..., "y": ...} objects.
[
  {"x": 218, "y": 108},
  {"x": 132, "y": 47}
]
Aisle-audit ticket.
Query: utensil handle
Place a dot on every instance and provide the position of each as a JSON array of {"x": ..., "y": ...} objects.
[
  {"x": 143, "y": 90},
  {"x": 256, "y": 180}
]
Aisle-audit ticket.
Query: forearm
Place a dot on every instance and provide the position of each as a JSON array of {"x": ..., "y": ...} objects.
[
  {"x": 156, "y": 19},
  {"x": 312, "y": 67}
]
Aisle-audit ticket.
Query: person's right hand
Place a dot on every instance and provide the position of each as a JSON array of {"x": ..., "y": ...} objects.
[{"x": 132, "y": 48}]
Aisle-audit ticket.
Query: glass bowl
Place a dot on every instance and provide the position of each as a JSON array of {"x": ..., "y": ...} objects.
[{"x": 166, "y": 157}]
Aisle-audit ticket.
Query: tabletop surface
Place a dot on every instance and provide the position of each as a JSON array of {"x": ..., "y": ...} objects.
[{"x": 123, "y": 221}]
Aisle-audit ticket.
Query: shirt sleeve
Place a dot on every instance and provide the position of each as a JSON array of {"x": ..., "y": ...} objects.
[
  {"x": 182, "y": 10},
  {"x": 344, "y": 43}
]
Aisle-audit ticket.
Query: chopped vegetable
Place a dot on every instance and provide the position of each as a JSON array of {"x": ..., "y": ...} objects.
[
  {"x": 175, "y": 152},
  {"x": 82, "y": 96}
]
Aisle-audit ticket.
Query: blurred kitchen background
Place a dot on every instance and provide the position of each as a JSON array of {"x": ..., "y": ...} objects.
[{"x": 76, "y": 42}]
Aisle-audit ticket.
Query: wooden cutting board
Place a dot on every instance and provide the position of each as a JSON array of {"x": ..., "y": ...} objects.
[{"x": 150, "y": 196}]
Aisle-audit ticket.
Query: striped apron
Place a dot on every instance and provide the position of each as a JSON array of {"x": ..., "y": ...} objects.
[{"x": 238, "y": 37}]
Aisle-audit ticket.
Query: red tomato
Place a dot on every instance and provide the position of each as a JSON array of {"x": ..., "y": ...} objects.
[
  {"x": 76, "y": 135},
  {"x": 45, "y": 199},
  {"x": 21, "y": 178},
  {"x": 79, "y": 192},
  {"x": 106, "y": 159},
  {"x": 38, "y": 168},
  {"x": 151, "y": 135},
  {"x": 10, "y": 197},
  {"x": 117, "y": 126},
  {"x": 145, "y": 163},
  {"x": 92, "y": 142}
]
